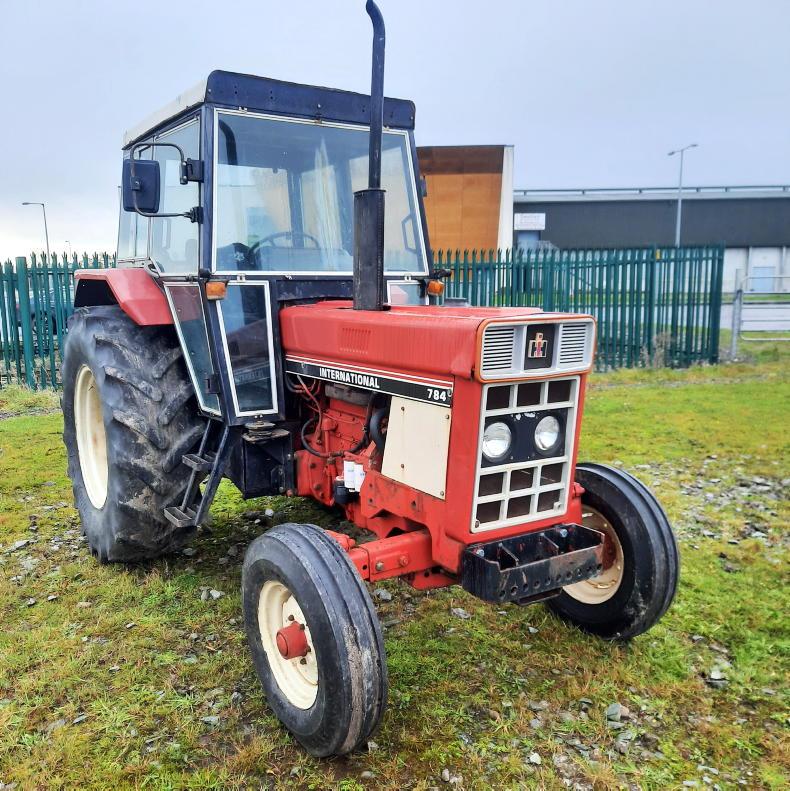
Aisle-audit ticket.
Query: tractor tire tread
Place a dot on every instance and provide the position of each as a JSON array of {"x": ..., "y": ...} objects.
[{"x": 151, "y": 420}]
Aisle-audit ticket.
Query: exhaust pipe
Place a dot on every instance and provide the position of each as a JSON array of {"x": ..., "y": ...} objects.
[{"x": 369, "y": 203}]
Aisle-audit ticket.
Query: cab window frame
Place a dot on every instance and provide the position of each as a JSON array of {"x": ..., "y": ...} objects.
[{"x": 411, "y": 185}]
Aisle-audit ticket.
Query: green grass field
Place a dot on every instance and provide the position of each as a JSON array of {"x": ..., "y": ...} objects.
[{"x": 114, "y": 677}]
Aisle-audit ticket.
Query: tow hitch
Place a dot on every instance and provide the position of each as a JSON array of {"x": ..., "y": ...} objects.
[{"x": 533, "y": 566}]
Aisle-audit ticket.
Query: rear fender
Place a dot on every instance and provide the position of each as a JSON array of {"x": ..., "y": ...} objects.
[{"x": 133, "y": 290}]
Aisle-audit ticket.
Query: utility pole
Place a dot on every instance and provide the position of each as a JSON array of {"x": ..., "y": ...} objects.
[
  {"x": 46, "y": 230},
  {"x": 680, "y": 189}
]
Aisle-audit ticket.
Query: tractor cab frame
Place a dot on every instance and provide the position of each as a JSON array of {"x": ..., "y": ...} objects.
[{"x": 265, "y": 213}]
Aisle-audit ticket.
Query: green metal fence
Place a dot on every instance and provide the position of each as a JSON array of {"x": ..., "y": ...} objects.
[
  {"x": 653, "y": 305},
  {"x": 36, "y": 299}
]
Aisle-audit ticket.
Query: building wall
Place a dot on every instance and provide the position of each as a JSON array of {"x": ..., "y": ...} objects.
[
  {"x": 734, "y": 222},
  {"x": 767, "y": 269},
  {"x": 469, "y": 203},
  {"x": 754, "y": 229}
]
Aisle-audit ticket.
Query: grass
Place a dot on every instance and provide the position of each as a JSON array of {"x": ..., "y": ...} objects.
[
  {"x": 107, "y": 673},
  {"x": 15, "y": 400}
]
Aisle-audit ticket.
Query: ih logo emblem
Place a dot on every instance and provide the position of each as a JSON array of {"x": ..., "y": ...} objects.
[{"x": 538, "y": 347}]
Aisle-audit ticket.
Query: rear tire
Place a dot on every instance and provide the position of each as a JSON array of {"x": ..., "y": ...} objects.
[
  {"x": 129, "y": 416},
  {"x": 333, "y": 697},
  {"x": 630, "y": 596}
]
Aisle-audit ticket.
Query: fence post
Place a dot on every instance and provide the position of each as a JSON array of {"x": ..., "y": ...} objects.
[
  {"x": 737, "y": 304},
  {"x": 715, "y": 323},
  {"x": 24, "y": 320}
]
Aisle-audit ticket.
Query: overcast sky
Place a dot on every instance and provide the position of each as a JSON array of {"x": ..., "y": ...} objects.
[{"x": 592, "y": 93}]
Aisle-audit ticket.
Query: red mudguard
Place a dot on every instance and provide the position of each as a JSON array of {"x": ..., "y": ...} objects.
[{"x": 134, "y": 290}]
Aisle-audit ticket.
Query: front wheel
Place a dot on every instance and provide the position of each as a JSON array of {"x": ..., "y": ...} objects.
[
  {"x": 315, "y": 638},
  {"x": 641, "y": 561}
]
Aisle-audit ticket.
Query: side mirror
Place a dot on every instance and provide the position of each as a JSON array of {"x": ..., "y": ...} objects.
[{"x": 140, "y": 192}]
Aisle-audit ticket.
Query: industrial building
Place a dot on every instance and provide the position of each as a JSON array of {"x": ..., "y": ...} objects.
[{"x": 753, "y": 223}]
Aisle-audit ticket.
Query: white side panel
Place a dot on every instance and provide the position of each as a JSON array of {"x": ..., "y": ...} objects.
[{"x": 418, "y": 438}]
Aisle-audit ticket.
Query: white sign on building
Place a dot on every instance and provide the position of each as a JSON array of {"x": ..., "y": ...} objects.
[{"x": 530, "y": 222}]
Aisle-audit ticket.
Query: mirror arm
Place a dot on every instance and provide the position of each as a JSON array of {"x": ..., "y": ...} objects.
[{"x": 191, "y": 170}]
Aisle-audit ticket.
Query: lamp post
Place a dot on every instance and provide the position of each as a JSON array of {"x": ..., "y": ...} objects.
[
  {"x": 680, "y": 188},
  {"x": 46, "y": 230},
  {"x": 69, "y": 244}
]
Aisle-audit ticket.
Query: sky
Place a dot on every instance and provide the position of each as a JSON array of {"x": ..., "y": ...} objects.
[{"x": 592, "y": 93}]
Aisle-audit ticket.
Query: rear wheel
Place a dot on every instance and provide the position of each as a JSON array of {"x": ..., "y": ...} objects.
[
  {"x": 315, "y": 638},
  {"x": 129, "y": 416},
  {"x": 640, "y": 563}
]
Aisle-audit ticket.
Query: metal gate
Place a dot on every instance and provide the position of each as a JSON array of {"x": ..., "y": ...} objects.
[{"x": 763, "y": 317}]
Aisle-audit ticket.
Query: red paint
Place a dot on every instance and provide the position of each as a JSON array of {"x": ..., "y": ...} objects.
[
  {"x": 134, "y": 290},
  {"x": 413, "y": 340},
  {"x": 292, "y": 641}
]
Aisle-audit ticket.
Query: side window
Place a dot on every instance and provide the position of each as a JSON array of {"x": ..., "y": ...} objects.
[
  {"x": 174, "y": 240},
  {"x": 126, "y": 235},
  {"x": 133, "y": 229}
]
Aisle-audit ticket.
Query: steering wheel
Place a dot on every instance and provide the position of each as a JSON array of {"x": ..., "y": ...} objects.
[{"x": 270, "y": 241}]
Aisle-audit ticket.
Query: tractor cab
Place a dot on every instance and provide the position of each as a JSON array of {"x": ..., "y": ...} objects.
[{"x": 247, "y": 184}]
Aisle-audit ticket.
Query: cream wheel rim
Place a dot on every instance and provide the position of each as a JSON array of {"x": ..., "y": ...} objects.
[
  {"x": 297, "y": 678},
  {"x": 91, "y": 437},
  {"x": 601, "y": 588}
]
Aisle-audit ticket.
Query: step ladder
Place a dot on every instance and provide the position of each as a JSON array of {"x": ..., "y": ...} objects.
[{"x": 206, "y": 465}]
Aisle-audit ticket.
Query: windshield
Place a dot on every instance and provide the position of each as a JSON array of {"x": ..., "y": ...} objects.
[{"x": 285, "y": 196}]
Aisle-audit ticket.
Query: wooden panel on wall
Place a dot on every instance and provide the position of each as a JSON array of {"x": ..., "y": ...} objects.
[{"x": 464, "y": 192}]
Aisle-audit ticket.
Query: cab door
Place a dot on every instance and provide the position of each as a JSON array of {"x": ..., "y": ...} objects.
[{"x": 245, "y": 317}]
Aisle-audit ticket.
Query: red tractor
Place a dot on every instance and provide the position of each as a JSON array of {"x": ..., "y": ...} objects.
[{"x": 269, "y": 322}]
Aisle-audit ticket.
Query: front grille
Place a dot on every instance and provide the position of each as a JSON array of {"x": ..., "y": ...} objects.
[
  {"x": 505, "y": 351},
  {"x": 573, "y": 344},
  {"x": 498, "y": 346},
  {"x": 525, "y": 491}
]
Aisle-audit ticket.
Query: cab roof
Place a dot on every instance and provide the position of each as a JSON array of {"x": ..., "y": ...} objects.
[{"x": 262, "y": 94}]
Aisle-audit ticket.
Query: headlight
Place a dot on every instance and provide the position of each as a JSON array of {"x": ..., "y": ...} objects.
[
  {"x": 547, "y": 433},
  {"x": 497, "y": 439}
]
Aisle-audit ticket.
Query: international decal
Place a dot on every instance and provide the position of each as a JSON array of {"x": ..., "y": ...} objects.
[{"x": 538, "y": 347}]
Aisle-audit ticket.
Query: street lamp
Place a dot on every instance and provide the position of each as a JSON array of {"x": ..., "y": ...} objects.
[
  {"x": 680, "y": 188},
  {"x": 46, "y": 231},
  {"x": 69, "y": 244}
]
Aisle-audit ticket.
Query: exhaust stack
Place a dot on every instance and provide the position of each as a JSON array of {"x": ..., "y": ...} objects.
[{"x": 369, "y": 203}]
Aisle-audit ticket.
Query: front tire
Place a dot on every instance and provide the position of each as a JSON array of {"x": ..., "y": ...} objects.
[
  {"x": 315, "y": 638},
  {"x": 641, "y": 560},
  {"x": 129, "y": 416}
]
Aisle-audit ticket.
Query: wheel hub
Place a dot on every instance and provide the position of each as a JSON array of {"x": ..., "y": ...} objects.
[
  {"x": 601, "y": 588},
  {"x": 292, "y": 642},
  {"x": 286, "y": 640}
]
